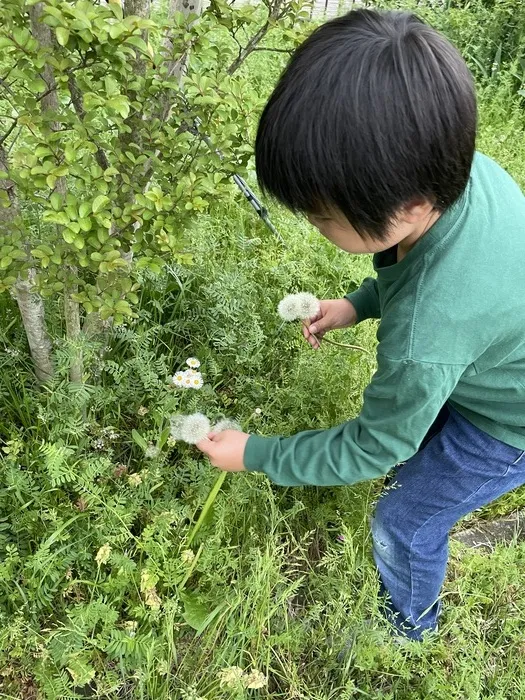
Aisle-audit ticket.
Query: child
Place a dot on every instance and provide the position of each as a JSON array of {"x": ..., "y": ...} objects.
[{"x": 371, "y": 132}]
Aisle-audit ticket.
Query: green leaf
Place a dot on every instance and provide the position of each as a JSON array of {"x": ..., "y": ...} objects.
[
  {"x": 119, "y": 104},
  {"x": 68, "y": 236},
  {"x": 115, "y": 30},
  {"x": 5, "y": 262},
  {"x": 138, "y": 43},
  {"x": 85, "y": 224},
  {"x": 84, "y": 209},
  {"x": 62, "y": 35},
  {"x": 111, "y": 86},
  {"x": 56, "y": 201},
  {"x": 195, "y": 612},
  {"x": 138, "y": 437},
  {"x": 99, "y": 203},
  {"x": 122, "y": 307}
]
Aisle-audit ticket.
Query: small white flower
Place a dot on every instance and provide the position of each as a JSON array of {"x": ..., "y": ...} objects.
[
  {"x": 195, "y": 428},
  {"x": 103, "y": 554},
  {"x": 258, "y": 411},
  {"x": 193, "y": 362},
  {"x": 196, "y": 380},
  {"x": 226, "y": 424},
  {"x": 178, "y": 378},
  {"x": 187, "y": 380},
  {"x": 307, "y": 305},
  {"x": 287, "y": 308}
]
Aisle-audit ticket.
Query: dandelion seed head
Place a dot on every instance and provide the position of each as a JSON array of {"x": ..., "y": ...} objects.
[
  {"x": 307, "y": 305},
  {"x": 176, "y": 423},
  {"x": 151, "y": 452},
  {"x": 103, "y": 554},
  {"x": 288, "y": 308},
  {"x": 195, "y": 428},
  {"x": 193, "y": 362},
  {"x": 226, "y": 424}
]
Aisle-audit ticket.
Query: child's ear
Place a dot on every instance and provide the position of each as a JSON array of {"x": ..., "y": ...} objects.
[{"x": 416, "y": 210}]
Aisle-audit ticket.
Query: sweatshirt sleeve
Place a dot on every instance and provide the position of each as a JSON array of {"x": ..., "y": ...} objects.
[
  {"x": 366, "y": 300},
  {"x": 400, "y": 405}
]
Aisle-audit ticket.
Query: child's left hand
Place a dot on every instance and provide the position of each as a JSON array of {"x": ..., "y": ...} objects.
[{"x": 225, "y": 450}]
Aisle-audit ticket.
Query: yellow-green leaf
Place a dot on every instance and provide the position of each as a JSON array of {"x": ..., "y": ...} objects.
[
  {"x": 99, "y": 203},
  {"x": 62, "y": 35}
]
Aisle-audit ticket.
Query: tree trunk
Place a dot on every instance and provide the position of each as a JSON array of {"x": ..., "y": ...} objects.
[
  {"x": 30, "y": 304},
  {"x": 42, "y": 33},
  {"x": 72, "y": 318},
  {"x": 32, "y": 311}
]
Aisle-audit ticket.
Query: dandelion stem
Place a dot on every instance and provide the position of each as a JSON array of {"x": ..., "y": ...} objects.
[
  {"x": 207, "y": 505},
  {"x": 333, "y": 342}
]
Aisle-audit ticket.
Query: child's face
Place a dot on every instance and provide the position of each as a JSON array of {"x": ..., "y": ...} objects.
[{"x": 409, "y": 225}]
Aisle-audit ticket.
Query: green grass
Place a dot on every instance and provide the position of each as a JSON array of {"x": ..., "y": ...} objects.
[{"x": 271, "y": 587}]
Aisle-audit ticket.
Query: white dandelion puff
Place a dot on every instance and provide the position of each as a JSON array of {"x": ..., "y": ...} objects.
[
  {"x": 151, "y": 452},
  {"x": 288, "y": 308},
  {"x": 308, "y": 305},
  {"x": 176, "y": 423},
  {"x": 226, "y": 424},
  {"x": 193, "y": 362},
  {"x": 195, "y": 428}
]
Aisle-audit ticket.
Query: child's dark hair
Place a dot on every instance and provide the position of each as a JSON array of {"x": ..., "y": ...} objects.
[{"x": 373, "y": 111}]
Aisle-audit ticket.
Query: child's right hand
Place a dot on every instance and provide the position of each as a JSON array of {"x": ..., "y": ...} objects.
[{"x": 334, "y": 313}]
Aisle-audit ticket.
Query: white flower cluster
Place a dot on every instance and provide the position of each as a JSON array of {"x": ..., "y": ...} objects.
[
  {"x": 194, "y": 428},
  {"x": 189, "y": 378},
  {"x": 298, "y": 306},
  {"x": 234, "y": 677}
]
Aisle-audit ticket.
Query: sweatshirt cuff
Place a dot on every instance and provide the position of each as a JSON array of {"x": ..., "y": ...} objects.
[
  {"x": 257, "y": 452},
  {"x": 363, "y": 302}
]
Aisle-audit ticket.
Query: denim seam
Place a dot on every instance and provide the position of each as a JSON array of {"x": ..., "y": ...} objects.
[{"x": 494, "y": 478}]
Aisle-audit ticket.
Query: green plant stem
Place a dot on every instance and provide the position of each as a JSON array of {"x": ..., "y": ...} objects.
[
  {"x": 207, "y": 505},
  {"x": 333, "y": 342}
]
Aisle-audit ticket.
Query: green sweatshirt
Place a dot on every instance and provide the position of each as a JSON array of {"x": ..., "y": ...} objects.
[{"x": 452, "y": 329}]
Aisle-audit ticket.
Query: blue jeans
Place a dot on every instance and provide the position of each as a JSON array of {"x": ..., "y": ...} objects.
[{"x": 459, "y": 468}]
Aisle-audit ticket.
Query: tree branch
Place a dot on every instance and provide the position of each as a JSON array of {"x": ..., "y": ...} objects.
[
  {"x": 78, "y": 103},
  {"x": 9, "y": 131}
]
